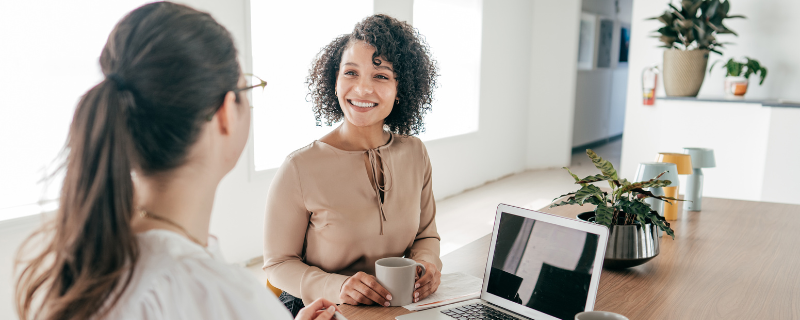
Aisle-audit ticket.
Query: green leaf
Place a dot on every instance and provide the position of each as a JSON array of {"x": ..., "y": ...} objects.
[
  {"x": 712, "y": 66},
  {"x": 574, "y": 176},
  {"x": 586, "y": 192},
  {"x": 604, "y": 215},
  {"x": 654, "y": 183},
  {"x": 564, "y": 195},
  {"x": 677, "y": 12},
  {"x": 645, "y": 184},
  {"x": 569, "y": 201},
  {"x": 661, "y": 224},
  {"x": 594, "y": 178},
  {"x": 603, "y": 165},
  {"x": 649, "y": 194}
]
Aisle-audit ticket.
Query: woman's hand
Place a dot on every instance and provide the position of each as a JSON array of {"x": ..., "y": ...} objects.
[
  {"x": 320, "y": 309},
  {"x": 429, "y": 283},
  {"x": 362, "y": 288}
]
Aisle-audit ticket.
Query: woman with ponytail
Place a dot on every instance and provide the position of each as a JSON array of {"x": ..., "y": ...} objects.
[{"x": 146, "y": 150}]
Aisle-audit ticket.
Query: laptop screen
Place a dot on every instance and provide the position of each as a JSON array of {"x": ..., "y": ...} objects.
[{"x": 542, "y": 266}]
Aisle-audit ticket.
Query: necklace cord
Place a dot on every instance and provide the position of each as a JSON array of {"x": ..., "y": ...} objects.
[{"x": 149, "y": 215}]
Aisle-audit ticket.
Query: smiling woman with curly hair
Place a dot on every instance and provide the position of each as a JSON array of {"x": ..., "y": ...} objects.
[
  {"x": 362, "y": 192},
  {"x": 414, "y": 71}
]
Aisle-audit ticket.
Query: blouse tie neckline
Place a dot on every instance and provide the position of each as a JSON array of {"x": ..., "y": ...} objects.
[{"x": 374, "y": 156}]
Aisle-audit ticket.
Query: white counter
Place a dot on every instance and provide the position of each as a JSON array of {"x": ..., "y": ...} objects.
[{"x": 756, "y": 147}]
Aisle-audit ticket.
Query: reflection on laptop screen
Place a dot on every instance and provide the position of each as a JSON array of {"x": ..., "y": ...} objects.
[{"x": 542, "y": 266}]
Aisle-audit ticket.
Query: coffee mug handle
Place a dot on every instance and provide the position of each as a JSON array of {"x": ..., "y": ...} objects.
[{"x": 423, "y": 269}]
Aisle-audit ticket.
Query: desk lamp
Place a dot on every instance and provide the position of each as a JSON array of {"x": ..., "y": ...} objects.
[
  {"x": 684, "y": 163},
  {"x": 650, "y": 170},
  {"x": 701, "y": 158}
]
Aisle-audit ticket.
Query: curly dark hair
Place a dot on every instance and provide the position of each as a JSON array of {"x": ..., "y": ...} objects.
[{"x": 394, "y": 41}]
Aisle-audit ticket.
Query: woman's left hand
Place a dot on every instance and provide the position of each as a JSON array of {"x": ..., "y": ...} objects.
[{"x": 429, "y": 282}]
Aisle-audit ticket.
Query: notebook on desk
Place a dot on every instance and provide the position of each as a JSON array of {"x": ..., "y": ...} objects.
[{"x": 540, "y": 266}]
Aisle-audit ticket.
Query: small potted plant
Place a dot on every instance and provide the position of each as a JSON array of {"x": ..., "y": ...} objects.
[
  {"x": 689, "y": 34},
  {"x": 738, "y": 75},
  {"x": 634, "y": 225}
]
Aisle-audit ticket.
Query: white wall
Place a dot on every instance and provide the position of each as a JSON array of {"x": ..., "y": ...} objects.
[
  {"x": 781, "y": 171},
  {"x": 600, "y": 93},
  {"x": 402, "y": 10},
  {"x": 554, "y": 57}
]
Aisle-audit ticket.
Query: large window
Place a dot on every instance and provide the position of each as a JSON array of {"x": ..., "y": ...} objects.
[
  {"x": 285, "y": 37},
  {"x": 453, "y": 31},
  {"x": 49, "y": 58}
]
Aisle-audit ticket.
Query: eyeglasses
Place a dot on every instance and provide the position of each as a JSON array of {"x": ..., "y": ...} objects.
[
  {"x": 263, "y": 84},
  {"x": 236, "y": 91}
]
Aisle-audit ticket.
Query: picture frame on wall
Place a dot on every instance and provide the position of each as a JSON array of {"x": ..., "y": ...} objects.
[
  {"x": 586, "y": 41},
  {"x": 624, "y": 42},
  {"x": 604, "y": 43}
]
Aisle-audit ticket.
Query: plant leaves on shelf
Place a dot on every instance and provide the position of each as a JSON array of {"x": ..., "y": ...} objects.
[{"x": 695, "y": 24}]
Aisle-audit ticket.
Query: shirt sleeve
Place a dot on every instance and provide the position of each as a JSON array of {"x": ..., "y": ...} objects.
[
  {"x": 426, "y": 243},
  {"x": 285, "y": 226}
]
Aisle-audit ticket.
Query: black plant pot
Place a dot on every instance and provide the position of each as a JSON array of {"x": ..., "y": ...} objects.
[{"x": 629, "y": 245}]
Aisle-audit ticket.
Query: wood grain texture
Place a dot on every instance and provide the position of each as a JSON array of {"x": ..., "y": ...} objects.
[{"x": 733, "y": 260}]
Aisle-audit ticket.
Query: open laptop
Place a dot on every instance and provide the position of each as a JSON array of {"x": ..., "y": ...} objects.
[{"x": 540, "y": 266}]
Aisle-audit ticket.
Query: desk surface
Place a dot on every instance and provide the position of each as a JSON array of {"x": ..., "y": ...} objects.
[{"x": 734, "y": 260}]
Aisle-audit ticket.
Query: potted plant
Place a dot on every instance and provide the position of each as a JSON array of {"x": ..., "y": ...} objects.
[
  {"x": 634, "y": 225},
  {"x": 738, "y": 75},
  {"x": 689, "y": 34}
]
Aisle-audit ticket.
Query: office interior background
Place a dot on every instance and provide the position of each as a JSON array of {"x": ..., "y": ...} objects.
[{"x": 513, "y": 99}]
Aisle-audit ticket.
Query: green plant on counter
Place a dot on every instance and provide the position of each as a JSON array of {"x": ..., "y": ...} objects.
[
  {"x": 745, "y": 69},
  {"x": 624, "y": 205},
  {"x": 695, "y": 25}
]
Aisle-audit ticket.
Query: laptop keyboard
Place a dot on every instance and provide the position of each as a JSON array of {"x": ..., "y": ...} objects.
[{"x": 477, "y": 311}]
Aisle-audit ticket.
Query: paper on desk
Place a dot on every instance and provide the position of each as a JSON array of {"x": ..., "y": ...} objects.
[{"x": 455, "y": 287}]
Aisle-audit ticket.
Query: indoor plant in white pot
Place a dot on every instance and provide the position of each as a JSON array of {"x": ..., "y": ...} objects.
[
  {"x": 738, "y": 74},
  {"x": 689, "y": 34},
  {"x": 634, "y": 225}
]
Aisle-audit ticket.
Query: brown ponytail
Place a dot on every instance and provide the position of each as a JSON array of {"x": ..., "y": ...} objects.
[{"x": 167, "y": 67}]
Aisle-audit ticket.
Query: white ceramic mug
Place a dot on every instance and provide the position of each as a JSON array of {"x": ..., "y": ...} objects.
[
  {"x": 398, "y": 276},
  {"x": 599, "y": 315}
]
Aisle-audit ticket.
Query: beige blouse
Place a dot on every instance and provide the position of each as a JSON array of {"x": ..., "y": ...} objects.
[{"x": 325, "y": 220}]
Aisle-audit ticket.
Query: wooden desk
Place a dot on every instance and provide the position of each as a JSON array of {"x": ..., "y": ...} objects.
[{"x": 733, "y": 260}]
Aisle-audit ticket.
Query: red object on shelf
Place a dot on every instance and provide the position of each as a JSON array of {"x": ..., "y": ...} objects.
[{"x": 649, "y": 82}]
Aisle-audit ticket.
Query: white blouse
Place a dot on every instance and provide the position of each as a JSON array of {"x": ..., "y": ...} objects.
[{"x": 178, "y": 279}]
